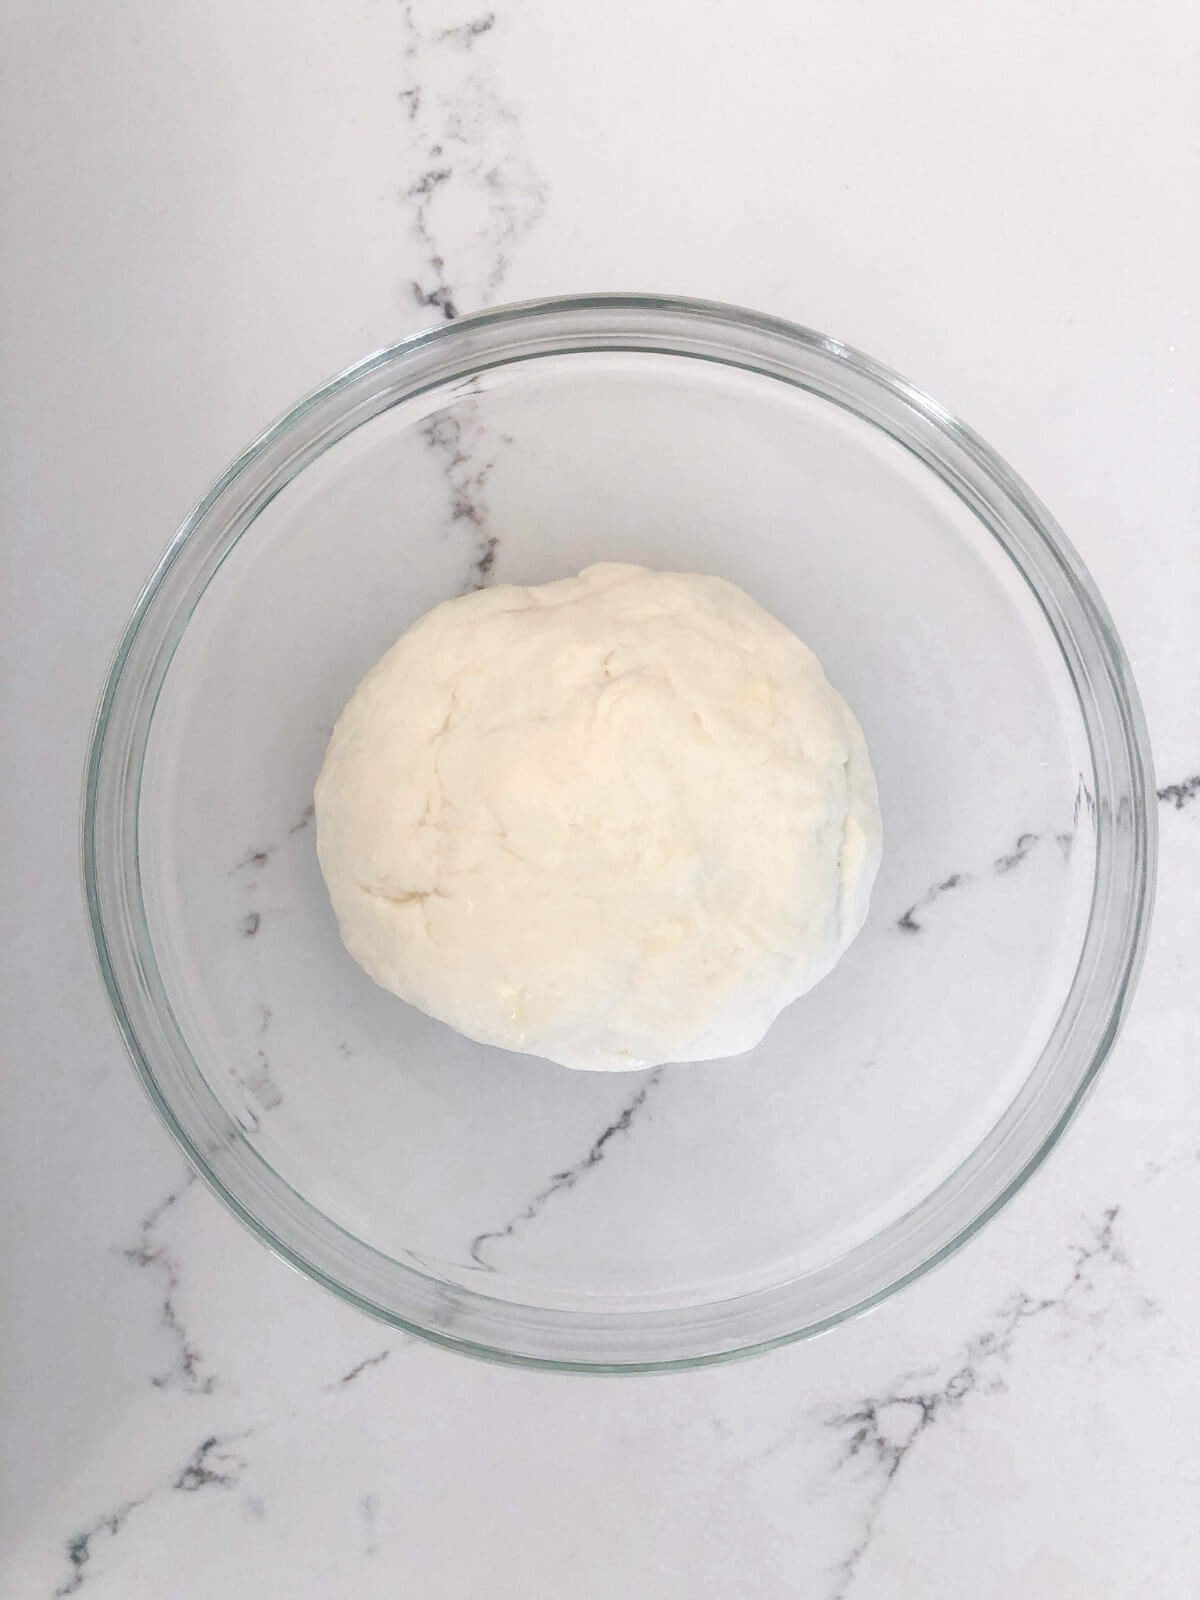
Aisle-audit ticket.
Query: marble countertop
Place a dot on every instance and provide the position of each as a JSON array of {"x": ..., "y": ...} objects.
[{"x": 211, "y": 208}]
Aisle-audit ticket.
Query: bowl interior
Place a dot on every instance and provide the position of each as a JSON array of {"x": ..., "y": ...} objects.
[{"x": 687, "y": 1186}]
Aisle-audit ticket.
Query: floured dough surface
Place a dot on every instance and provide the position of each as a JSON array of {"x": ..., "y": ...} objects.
[{"x": 616, "y": 820}]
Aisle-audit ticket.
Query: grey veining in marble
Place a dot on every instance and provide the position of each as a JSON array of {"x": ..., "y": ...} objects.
[
  {"x": 152, "y": 1254},
  {"x": 473, "y": 194},
  {"x": 566, "y": 1180}
]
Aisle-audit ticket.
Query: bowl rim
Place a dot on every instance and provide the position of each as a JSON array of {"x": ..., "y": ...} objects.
[{"x": 1122, "y": 780}]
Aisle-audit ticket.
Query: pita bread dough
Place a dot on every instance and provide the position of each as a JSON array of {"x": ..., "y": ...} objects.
[{"x": 616, "y": 820}]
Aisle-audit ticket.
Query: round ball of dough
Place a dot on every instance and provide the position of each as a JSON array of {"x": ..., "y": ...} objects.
[{"x": 616, "y": 820}]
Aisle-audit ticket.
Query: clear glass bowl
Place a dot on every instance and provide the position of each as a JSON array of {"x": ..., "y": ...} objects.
[{"x": 500, "y": 1204}]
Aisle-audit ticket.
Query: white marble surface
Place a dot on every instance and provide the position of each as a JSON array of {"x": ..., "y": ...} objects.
[{"x": 209, "y": 208}]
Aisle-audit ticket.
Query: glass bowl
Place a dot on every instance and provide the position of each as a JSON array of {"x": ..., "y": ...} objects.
[{"x": 497, "y": 1203}]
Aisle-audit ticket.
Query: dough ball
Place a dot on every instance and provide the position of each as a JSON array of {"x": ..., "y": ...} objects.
[{"x": 617, "y": 820}]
